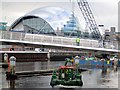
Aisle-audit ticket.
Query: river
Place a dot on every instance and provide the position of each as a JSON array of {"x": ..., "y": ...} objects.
[{"x": 91, "y": 79}]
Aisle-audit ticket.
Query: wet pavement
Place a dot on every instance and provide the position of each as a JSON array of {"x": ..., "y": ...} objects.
[
  {"x": 32, "y": 66},
  {"x": 91, "y": 79}
]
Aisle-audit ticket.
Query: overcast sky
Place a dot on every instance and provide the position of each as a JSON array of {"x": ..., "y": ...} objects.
[{"x": 105, "y": 11}]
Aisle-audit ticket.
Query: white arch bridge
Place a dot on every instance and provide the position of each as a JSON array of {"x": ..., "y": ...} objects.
[{"x": 56, "y": 43}]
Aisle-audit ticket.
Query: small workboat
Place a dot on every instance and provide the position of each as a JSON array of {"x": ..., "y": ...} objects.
[{"x": 67, "y": 75}]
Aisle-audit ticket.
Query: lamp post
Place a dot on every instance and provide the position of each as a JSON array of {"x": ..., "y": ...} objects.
[{"x": 103, "y": 40}]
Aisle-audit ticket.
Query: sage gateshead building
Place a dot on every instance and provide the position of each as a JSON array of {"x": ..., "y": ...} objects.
[{"x": 47, "y": 20}]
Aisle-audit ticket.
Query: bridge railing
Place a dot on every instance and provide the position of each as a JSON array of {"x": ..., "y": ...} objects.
[
  {"x": 11, "y": 35},
  {"x": 47, "y": 39},
  {"x": 60, "y": 40}
]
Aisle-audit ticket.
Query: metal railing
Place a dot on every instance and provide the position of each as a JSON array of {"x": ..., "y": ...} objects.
[{"x": 47, "y": 39}]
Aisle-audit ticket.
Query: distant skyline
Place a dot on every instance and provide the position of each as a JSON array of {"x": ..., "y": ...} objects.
[{"x": 105, "y": 11}]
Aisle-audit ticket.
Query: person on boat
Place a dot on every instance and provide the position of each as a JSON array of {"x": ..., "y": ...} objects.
[{"x": 77, "y": 58}]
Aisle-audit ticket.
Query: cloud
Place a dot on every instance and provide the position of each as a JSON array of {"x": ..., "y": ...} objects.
[
  {"x": 35, "y": 0},
  {"x": 105, "y": 11}
]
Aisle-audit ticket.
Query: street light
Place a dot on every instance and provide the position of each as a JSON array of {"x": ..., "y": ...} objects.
[{"x": 103, "y": 40}]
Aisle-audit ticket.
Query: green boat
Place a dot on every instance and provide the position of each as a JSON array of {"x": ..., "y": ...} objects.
[{"x": 67, "y": 75}]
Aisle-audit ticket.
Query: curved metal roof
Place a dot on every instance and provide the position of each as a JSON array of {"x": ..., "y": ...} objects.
[
  {"x": 17, "y": 21},
  {"x": 55, "y": 16}
]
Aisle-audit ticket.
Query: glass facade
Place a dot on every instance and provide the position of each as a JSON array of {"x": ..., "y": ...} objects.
[
  {"x": 3, "y": 25},
  {"x": 55, "y": 16},
  {"x": 72, "y": 27},
  {"x": 45, "y": 20},
  {"x": 37, "y": 26},
  {"x": 52, "y": 21}
]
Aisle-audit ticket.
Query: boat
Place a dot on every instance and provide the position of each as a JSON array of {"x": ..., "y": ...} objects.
[{"x": 67, "y": 75}]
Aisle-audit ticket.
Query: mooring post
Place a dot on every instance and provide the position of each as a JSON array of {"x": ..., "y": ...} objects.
[
  {"x": 6, "y": 58},
  {"x": 11, "y": 73},
  {"x": 12, "y": 64},
  {"x": 48, "y": 56},
  {"x": 5, "y": 62}
]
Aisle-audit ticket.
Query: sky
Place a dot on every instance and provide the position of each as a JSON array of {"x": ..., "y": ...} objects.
[{"x": 104, "y": 11}]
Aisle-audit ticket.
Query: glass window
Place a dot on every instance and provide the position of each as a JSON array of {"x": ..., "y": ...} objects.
[{"x": 38, "y": 26}]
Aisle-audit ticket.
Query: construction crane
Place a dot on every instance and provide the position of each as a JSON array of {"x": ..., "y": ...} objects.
[{"x": 89, "y": 18}]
